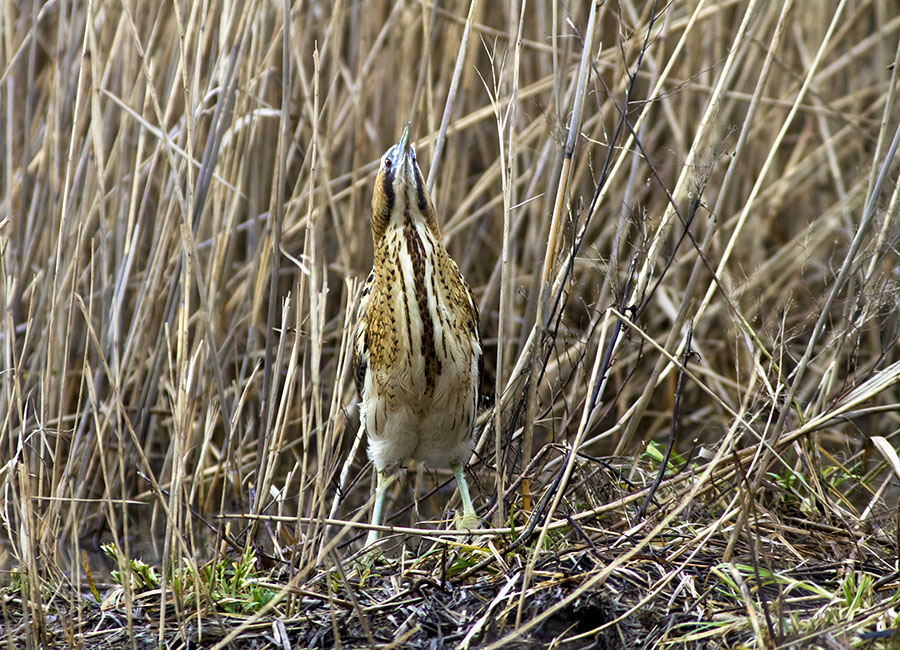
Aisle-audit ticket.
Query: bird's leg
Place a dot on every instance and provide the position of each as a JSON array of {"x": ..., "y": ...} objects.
[
  {"x": 381, "y": 484},
  {"x": 469, "y": 519}
]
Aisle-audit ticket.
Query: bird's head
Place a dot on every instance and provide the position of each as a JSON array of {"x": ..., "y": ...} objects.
[{"x": 400, "y": 195}]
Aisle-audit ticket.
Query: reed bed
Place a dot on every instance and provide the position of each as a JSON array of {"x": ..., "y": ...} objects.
[{"x": 680, "y": 222}]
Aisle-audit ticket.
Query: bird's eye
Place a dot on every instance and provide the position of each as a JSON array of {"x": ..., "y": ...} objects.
[{"x": 387, "y": 163}]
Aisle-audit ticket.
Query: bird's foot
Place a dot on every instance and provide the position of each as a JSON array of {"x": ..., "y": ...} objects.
[
  {"x": 364, "y": 563},
  {"x": 466, "y": 522}
]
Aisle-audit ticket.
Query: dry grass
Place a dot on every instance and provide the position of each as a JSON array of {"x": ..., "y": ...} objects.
[{"x": 680, "y": 221}]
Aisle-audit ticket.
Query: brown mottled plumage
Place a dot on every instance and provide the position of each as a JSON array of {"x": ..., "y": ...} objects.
[{"x": 417, "y": 356}]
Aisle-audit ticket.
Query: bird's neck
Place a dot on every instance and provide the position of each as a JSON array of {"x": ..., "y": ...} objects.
[
  {"x": 405, "y": 236},
  {"x": 405, "y": 223},
  {"x": 401, "y": 206}
]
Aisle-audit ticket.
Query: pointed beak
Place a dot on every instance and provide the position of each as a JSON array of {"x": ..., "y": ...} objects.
[
  {"x": 405, "y": 166},
  {"x": 404, "y": 139}
]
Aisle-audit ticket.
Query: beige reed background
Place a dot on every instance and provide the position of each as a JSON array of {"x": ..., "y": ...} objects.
[{"x": 184, "y": 225}]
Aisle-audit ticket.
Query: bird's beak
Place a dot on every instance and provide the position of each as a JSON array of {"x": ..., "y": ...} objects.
[{"x": 405, "y": 170}]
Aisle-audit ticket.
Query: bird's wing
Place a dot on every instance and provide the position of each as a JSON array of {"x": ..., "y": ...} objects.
[
  {"x": 485, "y": 385},
  {"x": 360, "y": 360}
]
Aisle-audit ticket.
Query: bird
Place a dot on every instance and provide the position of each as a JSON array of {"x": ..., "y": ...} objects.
[{"x": 417, "y": 354}]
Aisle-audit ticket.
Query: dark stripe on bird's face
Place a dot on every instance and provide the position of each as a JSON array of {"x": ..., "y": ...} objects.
[
  {"x": 420, "y": 190},
  {"x": 387, "y": 185},
  {"x": 382, "y": 201}
]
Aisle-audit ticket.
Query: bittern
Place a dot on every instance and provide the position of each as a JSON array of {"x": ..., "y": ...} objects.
[{"x": 417, "y": 354}]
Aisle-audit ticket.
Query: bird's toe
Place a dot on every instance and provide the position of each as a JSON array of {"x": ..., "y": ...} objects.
[
  {"x": 364, "y": 564},
  {"x": 466, "y": 522}
]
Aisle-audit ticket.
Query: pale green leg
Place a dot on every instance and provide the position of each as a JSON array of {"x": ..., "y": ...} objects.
[
  {"x": 469, "y": 519},
  {"x": 381, "y": 485}
]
